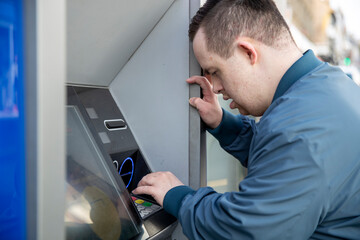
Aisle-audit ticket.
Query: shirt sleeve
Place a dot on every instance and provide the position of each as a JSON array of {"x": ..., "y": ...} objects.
[
  {"x": 281, "y": 198},
  {"x": 234, "y": 134}
]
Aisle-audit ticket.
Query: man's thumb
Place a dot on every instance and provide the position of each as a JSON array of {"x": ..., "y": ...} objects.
[{"x": 193, "y": 102}]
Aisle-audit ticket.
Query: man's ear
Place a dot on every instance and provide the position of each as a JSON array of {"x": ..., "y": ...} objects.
[{"x": 249, "y": 49}]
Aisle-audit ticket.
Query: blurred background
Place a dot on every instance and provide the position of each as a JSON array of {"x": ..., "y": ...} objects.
[{"x": 330, "y": 29}]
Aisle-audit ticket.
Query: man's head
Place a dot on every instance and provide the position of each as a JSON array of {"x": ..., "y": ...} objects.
[
  {"x": 245, "y": 47},
  {"x": 225, "y": 20}
]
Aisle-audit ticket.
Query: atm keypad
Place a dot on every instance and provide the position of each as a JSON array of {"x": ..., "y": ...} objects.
[{"x": 144, "y": 207}]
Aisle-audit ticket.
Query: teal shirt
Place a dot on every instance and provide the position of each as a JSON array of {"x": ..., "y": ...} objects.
[{"x": 303, "y": 161}]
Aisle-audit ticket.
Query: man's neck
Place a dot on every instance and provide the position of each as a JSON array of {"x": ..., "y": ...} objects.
[{"x": 275, "y": 64}]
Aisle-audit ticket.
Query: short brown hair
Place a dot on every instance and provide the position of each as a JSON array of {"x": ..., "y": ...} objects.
[{"x": 224, "y": 20}]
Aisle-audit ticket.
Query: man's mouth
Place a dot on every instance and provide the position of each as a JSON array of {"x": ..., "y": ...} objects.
[
  {"x": 226, "y": 97},
  {"x": 232, "y": 105}
]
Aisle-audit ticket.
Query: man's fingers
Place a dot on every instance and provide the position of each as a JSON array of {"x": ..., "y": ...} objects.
[
  {"x": 157, "y": 185},
  {"x": 144, "y": 190},
  {"x": 195, "y": 102},
  {"x": 202, "y": 82},
  {"x": 147, "y": 180},
  {"x": 200, "y": 105}
]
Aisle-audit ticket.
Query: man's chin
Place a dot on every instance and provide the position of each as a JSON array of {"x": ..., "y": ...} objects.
[{"x": 234, "y": 105}]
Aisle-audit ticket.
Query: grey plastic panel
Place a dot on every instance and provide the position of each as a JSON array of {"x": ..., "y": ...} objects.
[
  {"x": 103, "y": 35},
  {"x": 197, "y": 140},
  {"x": 152, "y": 93}
]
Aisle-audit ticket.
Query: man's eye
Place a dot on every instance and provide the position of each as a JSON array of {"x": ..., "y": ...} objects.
[{"x": 214, "y": 73}]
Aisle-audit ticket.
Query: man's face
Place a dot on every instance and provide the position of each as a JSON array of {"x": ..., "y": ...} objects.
[{"x": 236, "y": 78}]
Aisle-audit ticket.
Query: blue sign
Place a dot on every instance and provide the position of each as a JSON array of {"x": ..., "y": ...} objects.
[{"x": 12, "y": 122}]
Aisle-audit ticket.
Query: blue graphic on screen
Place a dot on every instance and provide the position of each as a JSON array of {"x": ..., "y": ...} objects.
[
  {"x": 126, "y": 171},
  {"x": 9, "y": 70},
  {"x": 12, "y": 123}
]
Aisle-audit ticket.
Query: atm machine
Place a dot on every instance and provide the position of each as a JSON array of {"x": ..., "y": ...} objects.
[
  {"x": 105, "y": 102},
  {"x": 127, "y": 115}
]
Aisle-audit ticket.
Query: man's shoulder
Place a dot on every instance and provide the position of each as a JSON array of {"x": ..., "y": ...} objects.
[
  {"x": 321, "y": 89},
  {"x": 322, "y": 100}
]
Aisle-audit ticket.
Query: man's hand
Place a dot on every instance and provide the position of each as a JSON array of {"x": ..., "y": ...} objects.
[
  {"x": 157, "y": 185},
  {"x": 209, "y": 108}
]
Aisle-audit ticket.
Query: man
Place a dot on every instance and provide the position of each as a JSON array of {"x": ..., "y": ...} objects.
[{"x": 303, "y": 156}]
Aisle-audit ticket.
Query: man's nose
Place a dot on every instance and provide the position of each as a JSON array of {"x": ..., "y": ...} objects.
[{"x": 217, "y": 87}]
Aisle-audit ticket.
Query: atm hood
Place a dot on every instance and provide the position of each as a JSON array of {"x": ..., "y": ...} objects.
[{"x": 103, "y": 35}]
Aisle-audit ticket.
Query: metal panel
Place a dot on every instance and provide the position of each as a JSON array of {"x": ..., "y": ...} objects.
[
  {"x": 50, "y": 35},
  {"x": 197, "y": 149},
  {"x": 103, "y": 35},
  {"x": 153, "y": 96}
]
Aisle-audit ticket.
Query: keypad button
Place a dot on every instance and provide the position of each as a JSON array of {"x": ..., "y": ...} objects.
[
  {"x": 140, "y": 207},
  {"x": 147, "y": 204},
  {"x": 155, "y": 207},
  {"x": 147, "y": 211},
  {"x": 139, "y": 201}
]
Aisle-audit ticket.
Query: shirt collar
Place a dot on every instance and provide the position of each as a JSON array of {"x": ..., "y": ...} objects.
[{"x": 301, "y": 67}]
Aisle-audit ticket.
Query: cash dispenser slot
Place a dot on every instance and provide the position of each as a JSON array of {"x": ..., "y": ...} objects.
[
  {"x": 115, "y": 124},
  {"x": 101, "y": 175}
]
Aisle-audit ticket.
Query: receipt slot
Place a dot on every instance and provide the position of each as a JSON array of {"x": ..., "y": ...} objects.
[{"x": 104, "y": 164}]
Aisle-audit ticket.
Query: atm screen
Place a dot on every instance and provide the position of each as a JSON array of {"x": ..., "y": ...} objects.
[
  {"x": 96, "y": 207},
  {"x": 131, "y": 167}
]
